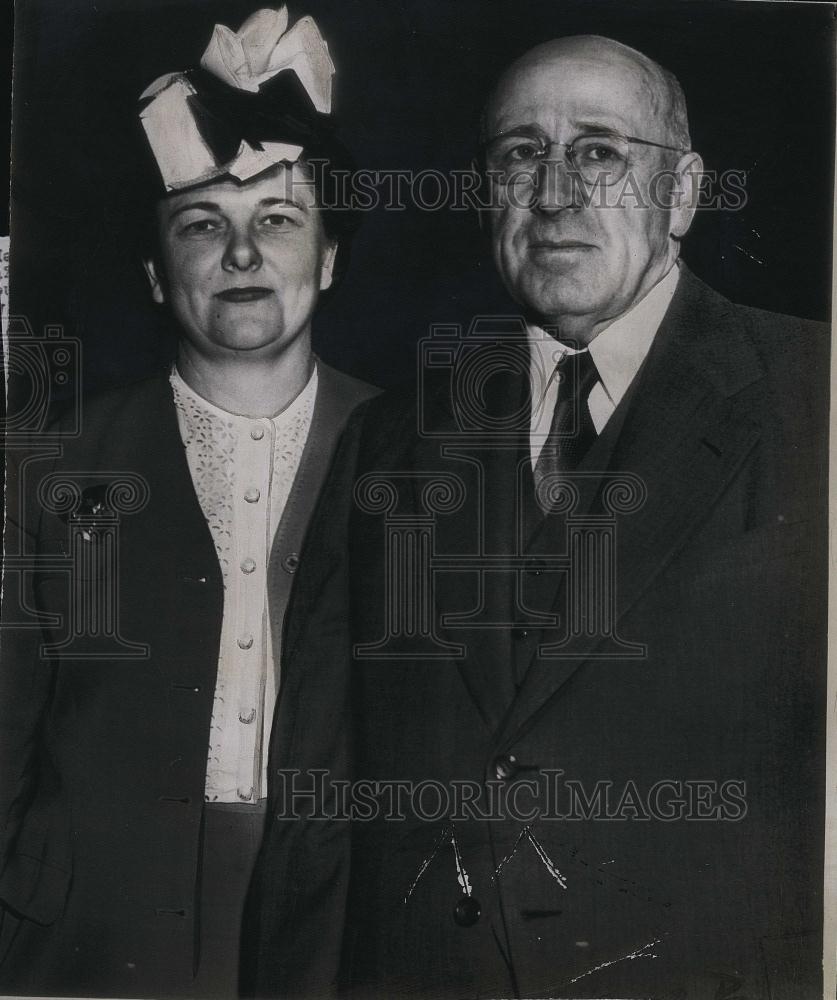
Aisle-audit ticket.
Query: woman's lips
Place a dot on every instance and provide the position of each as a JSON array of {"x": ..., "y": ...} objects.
[
  {"x": 559, "y": 246},
  {"x": 249, "y": 293}
]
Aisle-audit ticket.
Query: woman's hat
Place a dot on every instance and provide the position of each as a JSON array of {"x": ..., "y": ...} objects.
[{"x": 260, "y": 96}]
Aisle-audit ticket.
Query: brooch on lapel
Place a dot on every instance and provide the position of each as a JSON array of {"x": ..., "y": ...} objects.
[
  {"x": 91, "y": 506},
  {"x": 67, "y": 496}
]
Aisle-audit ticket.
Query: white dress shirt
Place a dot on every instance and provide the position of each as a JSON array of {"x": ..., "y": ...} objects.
[
  {"x": 617, "y": 351},
  {"x": 243, "y": 469}
]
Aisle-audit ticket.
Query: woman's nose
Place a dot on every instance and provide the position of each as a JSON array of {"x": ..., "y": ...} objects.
[{"x": 241, "y": 252}]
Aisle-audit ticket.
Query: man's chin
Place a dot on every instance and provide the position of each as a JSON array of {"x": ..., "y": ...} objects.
[{"x": 551, "y": 309}]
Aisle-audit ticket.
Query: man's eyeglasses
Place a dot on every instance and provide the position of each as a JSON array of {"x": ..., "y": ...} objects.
[{"x": 597, "y": 158}]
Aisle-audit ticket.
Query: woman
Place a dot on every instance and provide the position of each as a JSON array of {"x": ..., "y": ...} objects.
[{"x": 136, "y": 723}]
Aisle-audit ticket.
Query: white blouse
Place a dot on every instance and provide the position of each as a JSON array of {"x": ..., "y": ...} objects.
[{"x": 242, "y": 469}]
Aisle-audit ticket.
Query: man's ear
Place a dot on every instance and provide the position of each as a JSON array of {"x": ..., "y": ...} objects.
[
  {"x": 327, "y": 266},
  {"x": 479, "y": 185},
  {"x": 155, "y": 279},
  {"x": 684, "y": 197}
]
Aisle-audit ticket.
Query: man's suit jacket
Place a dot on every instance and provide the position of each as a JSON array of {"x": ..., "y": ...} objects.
[
  {"x": 104, "y": 757},
  {"x": 682, "y": 729}
]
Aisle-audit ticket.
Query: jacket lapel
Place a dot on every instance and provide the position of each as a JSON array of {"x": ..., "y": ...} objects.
[
  {"x": 335, "y": 401},
  {"x": 180, "y": 524},
  {"x": 684, "y": 437},
  {"x": 338, "y": 396},
  {"x": 474, "y": 607}
]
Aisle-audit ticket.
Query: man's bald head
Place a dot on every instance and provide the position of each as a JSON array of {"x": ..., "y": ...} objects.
[{"x": 659, "y": 87}]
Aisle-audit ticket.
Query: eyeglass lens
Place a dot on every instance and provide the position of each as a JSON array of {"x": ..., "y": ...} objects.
[{"x": 597, "y": 159}]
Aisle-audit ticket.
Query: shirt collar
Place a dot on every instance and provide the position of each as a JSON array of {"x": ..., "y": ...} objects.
[
  {"x": 618, "y": 351},
  {"x": 236, "y": 419}
]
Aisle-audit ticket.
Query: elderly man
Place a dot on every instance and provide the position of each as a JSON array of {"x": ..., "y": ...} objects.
[
  {"x": 574, "y": 625},
  {"x": 136, "y": 719}
]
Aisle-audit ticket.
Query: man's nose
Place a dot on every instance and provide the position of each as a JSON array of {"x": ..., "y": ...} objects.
[
  {"x": 555, "y": 184},
  {"x": 241, "y": 252}
]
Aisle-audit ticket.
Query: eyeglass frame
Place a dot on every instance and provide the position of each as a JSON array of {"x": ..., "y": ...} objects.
[{"x": 567, "y": 147}]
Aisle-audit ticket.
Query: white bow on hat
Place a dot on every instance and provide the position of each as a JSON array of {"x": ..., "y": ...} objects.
[
  {"x": 245, "y": 59},
  {"x": 263, "y": 47}
]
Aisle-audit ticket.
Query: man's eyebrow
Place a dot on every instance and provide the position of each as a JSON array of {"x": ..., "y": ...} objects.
[
  {"x": 527, "y": 129},
  {"x": 537, "y": 131},
  {"x": 600, "y": 128}
]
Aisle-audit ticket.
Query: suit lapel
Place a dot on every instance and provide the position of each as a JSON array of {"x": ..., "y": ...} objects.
[
  {"x": 474, "y": 608},
  {"x": 684, "y": 437}
]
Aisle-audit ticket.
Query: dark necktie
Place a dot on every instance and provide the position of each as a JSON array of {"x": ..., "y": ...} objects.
[{"x": 571, "y": 431}]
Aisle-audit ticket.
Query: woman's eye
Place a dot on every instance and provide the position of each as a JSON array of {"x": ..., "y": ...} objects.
[
  {"x": 201, "y": 226},
  {"x": 277, "y": 221}
]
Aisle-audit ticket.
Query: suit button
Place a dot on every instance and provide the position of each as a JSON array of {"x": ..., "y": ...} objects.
[
  {"x": 467, "y": 911},
  {"x": 519, "y": 634},
  {"x": 505, "y": 767},
  {"x": 290, "y": 563}
]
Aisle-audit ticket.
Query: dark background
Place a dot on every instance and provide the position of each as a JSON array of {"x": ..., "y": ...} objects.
[
  {"x": 6, "y": 33},
  {"x": 411, "y": 79}
]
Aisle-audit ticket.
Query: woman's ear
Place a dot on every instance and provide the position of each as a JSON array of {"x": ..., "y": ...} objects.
[
  {"x": 327, "y": 266},
  {"x": 155, "y": 280}
]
